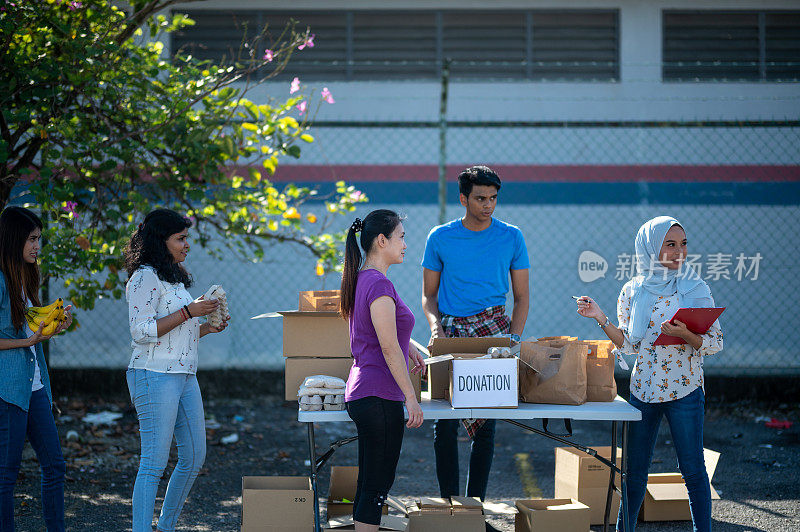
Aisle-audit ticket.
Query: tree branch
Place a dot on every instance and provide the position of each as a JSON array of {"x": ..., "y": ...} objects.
[{"x": 143, "y": 14}]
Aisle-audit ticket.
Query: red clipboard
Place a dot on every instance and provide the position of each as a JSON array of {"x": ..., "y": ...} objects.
[{"x": 697, "y": 320}]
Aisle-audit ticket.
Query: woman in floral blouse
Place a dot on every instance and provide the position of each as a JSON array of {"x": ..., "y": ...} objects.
[
  {"x": 165, "y": 328},
  {"x": 667, "y": 380}
]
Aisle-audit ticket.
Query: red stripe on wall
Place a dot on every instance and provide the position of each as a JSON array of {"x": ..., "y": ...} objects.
[{"x": 543, "y": 173}]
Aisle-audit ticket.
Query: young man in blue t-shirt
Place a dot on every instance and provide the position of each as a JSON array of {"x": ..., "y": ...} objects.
[{"x": 465, "y": 272}]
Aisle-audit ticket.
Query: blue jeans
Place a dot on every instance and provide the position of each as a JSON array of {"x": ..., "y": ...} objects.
[
  {"x": 685, "y": 418},
  {"x": 445, "y": 446},
  {"x": 38, "y": 424},
  {"x": 167, "y": 404}
]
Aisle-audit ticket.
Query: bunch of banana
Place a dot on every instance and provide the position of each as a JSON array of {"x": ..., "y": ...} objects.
[{"x": 52, "y": 316}]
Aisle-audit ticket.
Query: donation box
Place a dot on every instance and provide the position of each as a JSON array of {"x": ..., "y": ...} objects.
[{"x": 484, "y": 383}]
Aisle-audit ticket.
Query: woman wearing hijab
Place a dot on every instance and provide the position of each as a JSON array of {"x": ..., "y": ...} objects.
[{"x": 667, "y": 380}]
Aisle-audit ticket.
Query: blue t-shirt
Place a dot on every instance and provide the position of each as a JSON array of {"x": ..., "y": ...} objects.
[{"x": 474, "y": 265}]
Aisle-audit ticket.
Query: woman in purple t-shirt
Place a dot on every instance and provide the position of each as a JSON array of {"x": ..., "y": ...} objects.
[{"x": 380, "y": 332}]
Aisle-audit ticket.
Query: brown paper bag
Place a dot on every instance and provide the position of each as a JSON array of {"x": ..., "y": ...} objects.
[
  {"x": 600, "y": 383},
  {"x": 567, "y": 365}
]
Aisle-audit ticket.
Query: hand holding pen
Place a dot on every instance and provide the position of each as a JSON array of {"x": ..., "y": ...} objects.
[{"x": 588, "y": 308}]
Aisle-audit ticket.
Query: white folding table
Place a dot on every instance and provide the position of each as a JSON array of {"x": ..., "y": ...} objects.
[{"x": 614, "y": 411}]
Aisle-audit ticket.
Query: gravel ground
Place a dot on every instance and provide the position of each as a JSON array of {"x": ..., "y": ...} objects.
[{"x": 756, "y": 476}]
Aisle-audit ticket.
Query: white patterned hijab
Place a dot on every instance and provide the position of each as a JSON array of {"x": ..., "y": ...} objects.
[{"x": 654, "y": 279}]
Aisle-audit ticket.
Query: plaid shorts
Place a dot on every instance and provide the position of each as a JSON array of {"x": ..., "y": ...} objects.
[{"x": 491, "y": 322}]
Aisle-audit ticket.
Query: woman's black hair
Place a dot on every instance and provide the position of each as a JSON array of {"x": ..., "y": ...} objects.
[
  {"x": 148, "y": 246},
  {"x": 378, "y": 222},
  {"x": 22, "y": 278}
]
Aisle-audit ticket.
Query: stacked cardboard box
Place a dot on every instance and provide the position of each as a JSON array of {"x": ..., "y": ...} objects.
[
  {"x": 314, "y": 343},
  {"x": 317, "y": 342},
  {"x": 459, "y": 514}
]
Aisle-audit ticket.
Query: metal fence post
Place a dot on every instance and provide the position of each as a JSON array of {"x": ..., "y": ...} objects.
[{"x": 443, "y": 141}]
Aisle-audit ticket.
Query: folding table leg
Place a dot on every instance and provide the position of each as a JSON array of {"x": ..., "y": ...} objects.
[
  {"x": 609, "y": 495},
  {"x": 312, "y": 451},
  {"x": 624, "y": 475}
]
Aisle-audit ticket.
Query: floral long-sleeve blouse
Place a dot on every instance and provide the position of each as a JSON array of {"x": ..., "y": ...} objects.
[
  {"x": 150, "y": 298},
  {"x": 663, "y": 372}
]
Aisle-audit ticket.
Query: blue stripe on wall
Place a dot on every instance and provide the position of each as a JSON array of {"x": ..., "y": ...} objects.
[{"x": 685, "y": 193}]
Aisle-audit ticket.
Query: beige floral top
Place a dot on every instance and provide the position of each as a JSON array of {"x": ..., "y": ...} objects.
[{"x": 663, "y": 372}]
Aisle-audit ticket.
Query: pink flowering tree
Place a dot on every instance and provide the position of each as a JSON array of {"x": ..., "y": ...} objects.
[{"x": 98, "y": 128}]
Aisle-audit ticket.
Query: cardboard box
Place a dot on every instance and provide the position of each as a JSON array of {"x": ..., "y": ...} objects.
[
  {"x": 416, "y": 382},
  {"x": 439, "y": 374},
  {"x": 344, "y": 480},
  {"x": 431, "y": 514},
  {"x": 320, "y": 300},
  {"x": 484, "y": 383},
  {"x": 343, "y": 486},
  {"x": 470, "y": 505},
  {"x": 297, "y": 369},
  {"x": 584, "y": 478},
  {"x": 548, "y": 515},
  {"x": 667, "y": 499},
  {"x": 277, "y": 504},
  {"x": 315, "y": 334}
]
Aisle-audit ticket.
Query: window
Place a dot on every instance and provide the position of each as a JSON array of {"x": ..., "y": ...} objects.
[
  {"x": 731, "y": 46},
  {"x": 782, "y": 46},
  {"x": 547, "y": 45}
]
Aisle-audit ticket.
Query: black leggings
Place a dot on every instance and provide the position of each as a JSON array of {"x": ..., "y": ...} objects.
[{"x": 380, "y": 424}]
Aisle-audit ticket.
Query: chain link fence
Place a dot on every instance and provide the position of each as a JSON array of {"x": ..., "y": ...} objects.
[{"x": 578, "y": 191}]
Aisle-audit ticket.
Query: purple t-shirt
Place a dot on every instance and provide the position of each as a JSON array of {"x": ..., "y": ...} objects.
[{"x": 370, "y": 375}]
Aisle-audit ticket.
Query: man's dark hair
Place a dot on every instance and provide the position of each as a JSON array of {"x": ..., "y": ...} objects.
[{"x": 477, "y": 175}]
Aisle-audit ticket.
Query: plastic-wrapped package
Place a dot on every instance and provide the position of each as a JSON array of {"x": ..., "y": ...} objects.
[
  {"x": 324, "y": 381},
  {"x": 216, "y": 317}
]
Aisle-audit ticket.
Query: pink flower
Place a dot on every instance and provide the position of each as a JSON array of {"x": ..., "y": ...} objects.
[
  {"x": 302, "y": 106},
  {"x": 357, "y": 195},
  {"x": 70, "y": 207},
  {"x": 75, "y": 5},
  {"x": 295, "y": 86},
  {"x": 268, "y": 56},
  {"x": 308, "y": 42},
  {"x": 327, "y": 96}
]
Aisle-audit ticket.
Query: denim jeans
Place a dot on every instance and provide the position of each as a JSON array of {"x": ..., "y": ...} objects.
[
  {"x": 685, "y": 418},
  {"x": 445, "y": 446},
  {"x": 380, "y": 424},
  {"x": 167, "y": 404},
  {"x": 38, "y": 424}
]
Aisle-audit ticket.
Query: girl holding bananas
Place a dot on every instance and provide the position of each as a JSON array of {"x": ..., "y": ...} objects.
[
  {"x": 25, "y": 395},
  {"x": 164, "y": 324}
]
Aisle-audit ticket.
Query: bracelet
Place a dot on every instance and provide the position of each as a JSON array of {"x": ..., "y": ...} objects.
[
  {"x": 183, "y": 314},
  {"x": 186, "y": 308},
  {"x": 604, "y": 325}
]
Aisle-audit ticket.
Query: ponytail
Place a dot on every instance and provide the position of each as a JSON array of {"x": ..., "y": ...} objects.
[
  {"x": 352, "y": 262},
  {"x": 378, "y": 222}
]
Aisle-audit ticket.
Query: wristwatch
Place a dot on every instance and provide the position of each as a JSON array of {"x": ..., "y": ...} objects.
[
  {"x": 604, "y": 325},
  {"x": 515, "y": 338}
]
